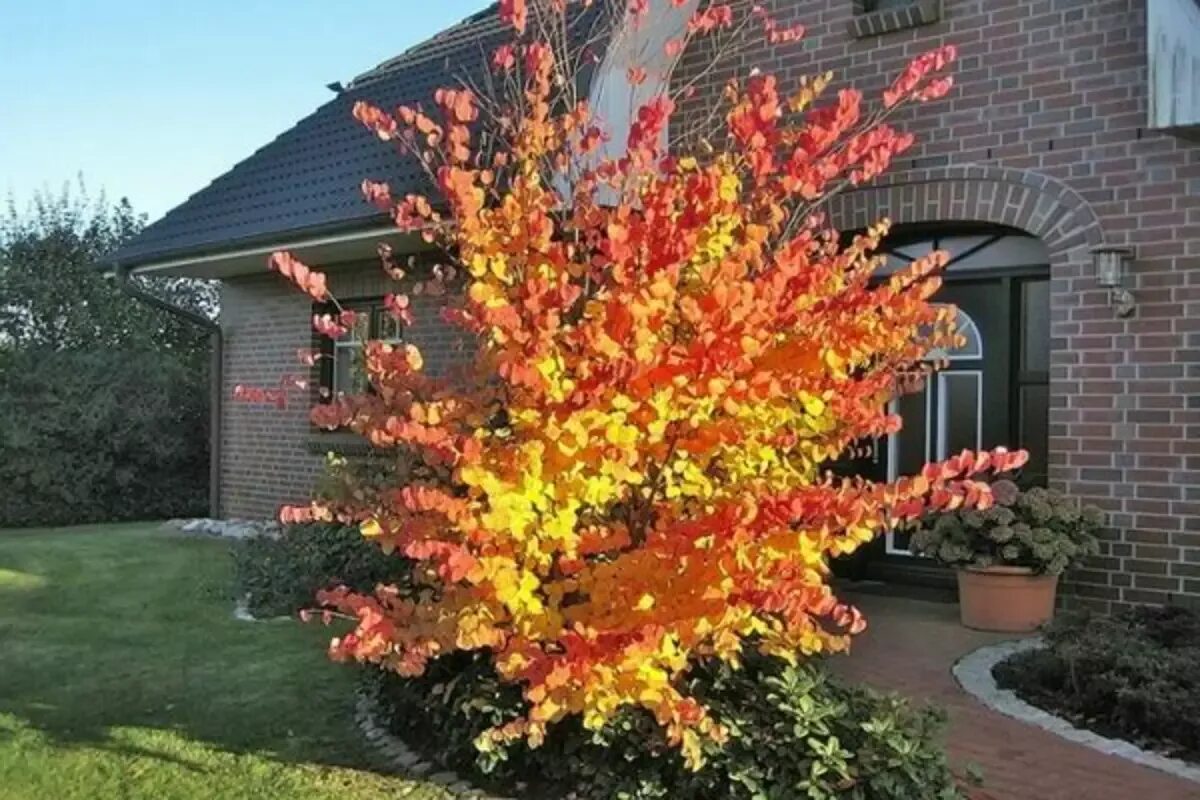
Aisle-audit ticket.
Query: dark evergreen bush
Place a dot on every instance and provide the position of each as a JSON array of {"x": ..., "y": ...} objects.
[
  {"x": 99, "y": 435},
  {"x": 1134, "y": 675},
  {"x": 795, "y": 732},
  {"x": 282, "y": 576}
]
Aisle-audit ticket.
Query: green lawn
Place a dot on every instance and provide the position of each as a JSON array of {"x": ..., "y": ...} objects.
[{"x": 123, "y": 675}]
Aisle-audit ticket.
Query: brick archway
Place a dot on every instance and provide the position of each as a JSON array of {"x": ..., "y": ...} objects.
[{"x": 1038, "y": 204}]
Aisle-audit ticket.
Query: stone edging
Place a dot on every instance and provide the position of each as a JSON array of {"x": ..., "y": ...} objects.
[
  {"x": 241, "y": 612},
  {"x": 400, "y": 758},
  {"x": 974, "y": 674},
  {"x": 227, "y": 528}
]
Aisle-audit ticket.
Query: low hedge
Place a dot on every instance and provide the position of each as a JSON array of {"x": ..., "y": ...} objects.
[
  {"x": 281, "y": 576},
  {"x": 795, "y": 732},
  {"x": 1134, "y": 675}
]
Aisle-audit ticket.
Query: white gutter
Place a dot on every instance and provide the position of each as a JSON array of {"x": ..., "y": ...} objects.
[{"x": 319, "y": 250}]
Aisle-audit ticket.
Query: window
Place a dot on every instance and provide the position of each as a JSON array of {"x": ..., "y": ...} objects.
[
  {"x": 943, "y": 418},
  {"x": 1033, "y": 379},
  {"x": 342, "y": 367},
  {"x": 972, "y": 346},
  {"x": 884, "y": 5},
  {"x": 876, "y": 17},
  {"x": 987, "y": 251}
]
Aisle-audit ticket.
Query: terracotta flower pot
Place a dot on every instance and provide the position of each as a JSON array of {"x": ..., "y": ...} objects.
[{"x": 1005, "y": 599}]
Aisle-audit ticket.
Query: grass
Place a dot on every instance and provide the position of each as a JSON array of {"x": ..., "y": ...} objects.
[{"x": 124, "y": 675}]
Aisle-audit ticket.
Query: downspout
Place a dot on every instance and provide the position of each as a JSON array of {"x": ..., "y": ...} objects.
[{"x": 214, "y": 377}]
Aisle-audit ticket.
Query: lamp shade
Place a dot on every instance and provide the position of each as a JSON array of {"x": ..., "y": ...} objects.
[{"x": 1110, "y": 265}]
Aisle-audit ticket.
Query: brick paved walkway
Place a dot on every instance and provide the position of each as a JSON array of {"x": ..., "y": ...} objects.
[{"x": 910, "y": 647}]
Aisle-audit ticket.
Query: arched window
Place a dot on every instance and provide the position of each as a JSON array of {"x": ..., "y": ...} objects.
[
  {"x": 992, "y": 249},
  {"x": 972, "y": 346}
]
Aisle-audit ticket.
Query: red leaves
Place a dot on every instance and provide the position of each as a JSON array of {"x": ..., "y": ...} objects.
[
  {"x": 504, "y": 58},
  {"x": 718, "y": 15},
  {"x": 412, "y": 213},
  {"x": 311, "y": 282},
  {"x": 754, "y": 124},
  {"x": 458, "y": 104},
  {"x": 591, "y": 140},
  {"x": 328, "y": 326},
  {"x": 917, "y": 70},
  {"x": 398, "y": 306},
  {"x": 627, "y": 474},
  {"x": 377, "y": 194},
  {"x": 382, "y": 123},
  {"x": 539, "y": 58},
  {"x": 774, "y": 34},
  {"x": 645, "y": 134},
  {"x": 454, "y": 563},
  {"x": 514, "y": 13}
]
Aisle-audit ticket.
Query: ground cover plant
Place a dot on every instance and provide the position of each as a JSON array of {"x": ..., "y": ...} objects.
[
  {"x": 627, "y": 483},
  {"x": 794, "y": 731},
  {"x": 1134, "y": 675}
]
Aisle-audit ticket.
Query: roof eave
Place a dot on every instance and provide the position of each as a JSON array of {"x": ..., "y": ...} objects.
[{"x": 317, "y": 247}]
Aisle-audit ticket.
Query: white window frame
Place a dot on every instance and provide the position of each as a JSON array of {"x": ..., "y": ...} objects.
[
  {"x": 350, "y": 344},
  {"x": 939, "y": 415}
]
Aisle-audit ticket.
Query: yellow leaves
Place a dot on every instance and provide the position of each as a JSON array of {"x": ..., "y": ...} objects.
[
  {"x": 729, "y": 187},
  {"x": 810, "y": 89},
  {"x": 684, "y": 478},
  {"x": 813, "y": 406},
  {"x": 834, "y": 360},
  {"x": 620, "y": 434},
  {"x": 675, "y": 369},
  {"x": 516, "y": 589}
]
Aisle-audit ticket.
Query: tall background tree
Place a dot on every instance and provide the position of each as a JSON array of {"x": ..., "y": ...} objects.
[{"x": 102, "y": 398}]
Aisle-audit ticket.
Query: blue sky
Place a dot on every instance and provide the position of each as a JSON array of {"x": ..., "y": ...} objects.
[{"x": 152, "y": 100}]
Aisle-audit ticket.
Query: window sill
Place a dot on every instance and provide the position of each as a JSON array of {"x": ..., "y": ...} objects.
[
  {"x": 339, "y": 442},
  {"x": 875, "y": 23}
]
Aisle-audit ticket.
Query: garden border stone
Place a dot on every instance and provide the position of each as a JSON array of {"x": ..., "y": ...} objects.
[
  {"x": 227, "y": 528},
  {"x": 403, "y": 760},
  {"x": 974, "y": 674},
  {"x": 241, "y": 612}
]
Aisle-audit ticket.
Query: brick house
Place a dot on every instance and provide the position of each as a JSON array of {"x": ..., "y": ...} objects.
[{"x": 1062, "y": 174}]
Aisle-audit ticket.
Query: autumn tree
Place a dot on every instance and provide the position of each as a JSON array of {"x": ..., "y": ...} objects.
[{"x": 671, "y": 346}]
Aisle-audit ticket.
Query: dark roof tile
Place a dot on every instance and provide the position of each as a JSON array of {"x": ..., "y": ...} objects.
[{"x": 307, "y": 179}]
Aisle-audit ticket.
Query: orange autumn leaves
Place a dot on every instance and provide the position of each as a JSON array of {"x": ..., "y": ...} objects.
[{"x": 671, "y": 349}]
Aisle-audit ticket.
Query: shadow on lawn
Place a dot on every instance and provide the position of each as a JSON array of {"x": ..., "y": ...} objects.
[{"x": 129, "y": 645}]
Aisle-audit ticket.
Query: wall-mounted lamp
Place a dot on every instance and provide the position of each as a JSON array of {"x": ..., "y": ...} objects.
[{"x": 1111, "y": 267}]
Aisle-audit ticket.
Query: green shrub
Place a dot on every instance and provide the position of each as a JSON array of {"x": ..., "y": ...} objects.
[
  {"x": 795, "y": 732},
  {"x": 281, "y": 576},
  {"x": 1042, "y": 529},
  {"x": 98, "y": 435},
  {"x": 1134, "y": 675}
]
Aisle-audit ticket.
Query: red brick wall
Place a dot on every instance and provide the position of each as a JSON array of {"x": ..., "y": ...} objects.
[
  {"x": 272, "y": 455},
  {"x": 1045, "y": 131}
]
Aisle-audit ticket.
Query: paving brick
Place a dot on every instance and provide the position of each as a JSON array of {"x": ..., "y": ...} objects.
[{"x": 910, "y": 647}]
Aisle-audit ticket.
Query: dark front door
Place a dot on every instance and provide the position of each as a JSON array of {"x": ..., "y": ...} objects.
[{"x": 992, "y": 392}]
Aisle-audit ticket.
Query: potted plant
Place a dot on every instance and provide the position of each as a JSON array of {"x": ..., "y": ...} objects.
[{"x": 1009, "y": 556}]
